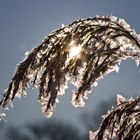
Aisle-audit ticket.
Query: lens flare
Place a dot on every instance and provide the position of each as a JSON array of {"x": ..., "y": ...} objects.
[{"x": 75, "y": 51}]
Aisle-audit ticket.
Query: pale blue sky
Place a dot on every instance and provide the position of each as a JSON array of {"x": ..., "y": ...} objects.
[{"x": 23, "y": 25}]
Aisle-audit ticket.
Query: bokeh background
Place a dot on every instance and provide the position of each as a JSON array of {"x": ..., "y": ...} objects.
[{"x": 23, "y": 25}]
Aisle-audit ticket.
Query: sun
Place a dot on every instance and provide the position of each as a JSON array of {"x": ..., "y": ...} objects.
[{"x": 74, "y": 50}]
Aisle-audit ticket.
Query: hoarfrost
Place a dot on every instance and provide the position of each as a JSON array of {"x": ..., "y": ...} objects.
[
  {"x": 2, "y": 115},
  {"x": 120, "y": 122},
  {"x": 26, "y": 53},
  {"x": 95, "y": 84},
  {"x": 62, "y": 25},
  {"x": 137, "y": 62},
  {"x": 92, "y": 135},
  {"x": 79, "y": 102},
  {"x": 99, "y": 45},
  {"x": 113, "y": 18},
  {"x": 117, "y": 68},
  {"x": 120, "y": 99}
]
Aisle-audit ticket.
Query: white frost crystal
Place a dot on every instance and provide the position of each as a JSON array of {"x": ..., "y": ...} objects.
[
  {"x": 117, "y": 68},
  {"x": 120, "y": 99},
  {"x": 62, "y": 25},
  {"x": 2, "y": 115},
  {"x": 95, "y": 84},
  {"x": 78, "y": 102},
  {"x": 92, "y": 135},
  {"x": 26, "y": 53},
  {"x": 113, "y": 18}
]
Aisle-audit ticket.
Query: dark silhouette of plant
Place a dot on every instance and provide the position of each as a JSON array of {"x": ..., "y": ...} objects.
[
  {"x": 81, "y": 53},
  {"x": 122, "y": 122}
]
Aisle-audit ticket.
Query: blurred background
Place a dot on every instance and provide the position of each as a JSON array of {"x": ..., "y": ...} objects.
[{"x": 23, "y": 25}]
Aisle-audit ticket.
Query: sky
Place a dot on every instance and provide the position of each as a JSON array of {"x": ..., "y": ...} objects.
[{"x": 25, "y": 23}]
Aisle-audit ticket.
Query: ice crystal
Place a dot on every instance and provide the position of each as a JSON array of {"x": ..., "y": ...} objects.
[
  {"x": 117, "y": 68},
  {"x": 80, "y": 53},
  {"x": 92, "y": 135},
  {"x": 95, "y": 84},
  {"x": 26, "y": 53},
  {"x": 120, "y": 99},
  {"x": 62, "y": 25},
  {"x": 2, "y": 116}
]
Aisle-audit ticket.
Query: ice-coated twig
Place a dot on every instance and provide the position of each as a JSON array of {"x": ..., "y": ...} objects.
[
  {"x": 121, "y": 123},
  {"x": 80, "y": 53}
]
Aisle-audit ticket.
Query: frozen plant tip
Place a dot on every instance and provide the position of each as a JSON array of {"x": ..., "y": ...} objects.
[
  {"x": 2, "y": 115},
  {"x": 121, "y": 123},
  {"x": 80, "y": 53}
]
